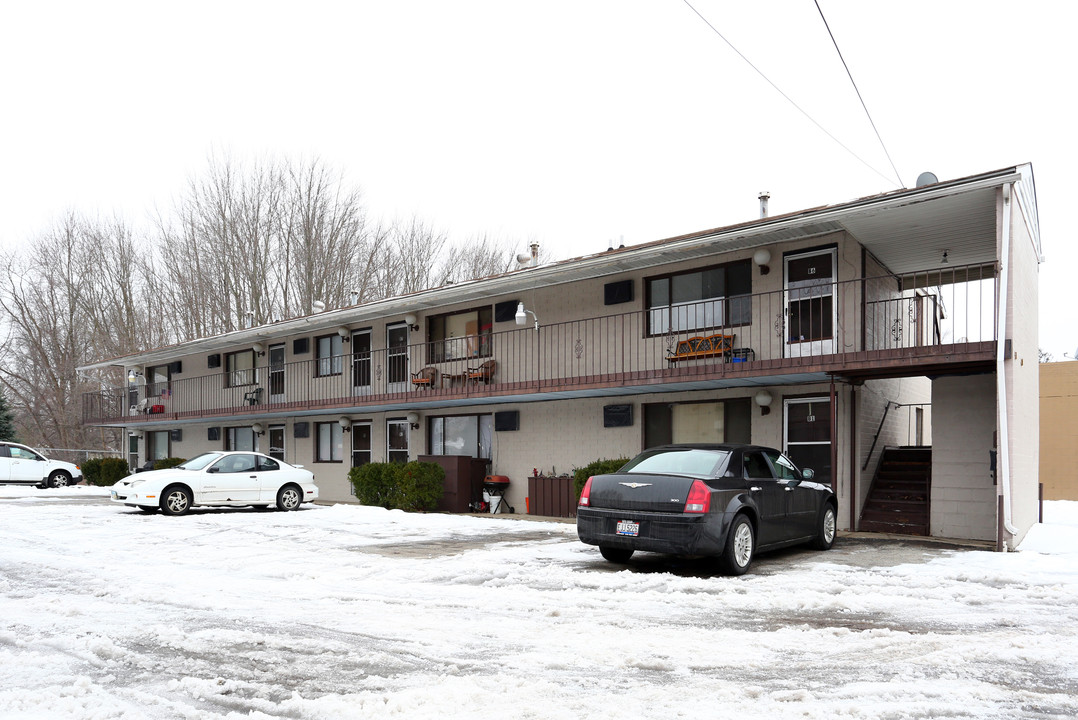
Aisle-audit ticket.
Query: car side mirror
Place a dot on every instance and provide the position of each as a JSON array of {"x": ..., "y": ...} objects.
[
  {"x": 213, "y": 469},
  {"x": 793, "y": 483},
  {"x": 808, "y": 473}
]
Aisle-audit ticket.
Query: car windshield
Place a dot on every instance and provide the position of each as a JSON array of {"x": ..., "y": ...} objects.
[
  {"x": 199, "y": 461},
  {"x": 680, "y": 461}
]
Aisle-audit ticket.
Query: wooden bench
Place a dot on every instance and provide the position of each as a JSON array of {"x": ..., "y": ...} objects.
[{"x": 702, "y": 347}]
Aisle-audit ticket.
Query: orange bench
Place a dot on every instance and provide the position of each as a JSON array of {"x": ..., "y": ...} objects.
[{"x": 702, "y": 347}]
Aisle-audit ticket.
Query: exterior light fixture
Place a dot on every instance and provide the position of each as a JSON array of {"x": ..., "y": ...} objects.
[
  {"x": 763, "y": 399},
  {"x": 413, "y": 420},
  {"x": 762, "y": 257},
  {"x": 258, "y": 429},
  {"x": 345, "y": 333},
  {"x": 259, "y": 349},
  {"x": 522, "y": 316},
  {"x": 412, "y": 320},
  {"x": 345, "y": 423}
]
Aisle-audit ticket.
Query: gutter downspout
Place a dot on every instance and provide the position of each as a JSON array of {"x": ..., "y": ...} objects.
[{"x": 1004, "y": 464}]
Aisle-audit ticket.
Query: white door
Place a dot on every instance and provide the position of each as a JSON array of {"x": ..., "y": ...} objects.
[
  {"x": 811, "y": 303},
  {"x": 397, "y": 358}
]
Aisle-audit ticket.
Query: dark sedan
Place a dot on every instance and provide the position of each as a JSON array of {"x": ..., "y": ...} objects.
[{"x": 727, "y": 501}]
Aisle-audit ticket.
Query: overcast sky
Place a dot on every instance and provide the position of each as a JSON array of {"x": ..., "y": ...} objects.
[{"x": 574, "y": 123}]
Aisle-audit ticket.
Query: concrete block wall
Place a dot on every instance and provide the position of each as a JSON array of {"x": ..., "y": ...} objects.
[{"x": 963, "y": 492}]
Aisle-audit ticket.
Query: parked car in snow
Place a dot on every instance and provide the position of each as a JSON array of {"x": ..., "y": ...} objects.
[
  {"x": 221, "y": 479},
  {"x": 728, "y": 501},
  {"x": 23, "y": 465}
]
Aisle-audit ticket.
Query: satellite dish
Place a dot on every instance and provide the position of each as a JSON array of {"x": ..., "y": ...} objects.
[{"x": 927, "y": 178}]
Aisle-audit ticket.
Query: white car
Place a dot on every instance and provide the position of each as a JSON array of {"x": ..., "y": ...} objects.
[
  {"x": 219, "y": 479},
  {"x": 25, "y": 466}
]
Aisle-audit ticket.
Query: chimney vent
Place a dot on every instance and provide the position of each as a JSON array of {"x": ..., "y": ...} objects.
[{"x": 764, "y": 197}]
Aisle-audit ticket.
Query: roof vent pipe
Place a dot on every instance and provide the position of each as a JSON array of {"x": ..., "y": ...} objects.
[
  {"x": 535, "y": 249},
  {"x": 764, "y": 197}
]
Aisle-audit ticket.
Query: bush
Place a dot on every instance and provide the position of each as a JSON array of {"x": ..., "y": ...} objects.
[
  {"x": 166, "y": 463},
  {"x": 599, "y": 467},
  {"x": 91, "y": 471},
  {"x": 414, "y": 486},
  {"x": 105, "y": 471}
]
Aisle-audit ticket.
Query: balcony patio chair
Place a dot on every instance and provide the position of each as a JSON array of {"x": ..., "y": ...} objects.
[
  {"x": 425, "y": 378},
  {"x": 482, "y": 373}
]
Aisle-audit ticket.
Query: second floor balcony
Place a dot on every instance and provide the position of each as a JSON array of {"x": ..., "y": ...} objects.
[{"x": 929, "y": 323}]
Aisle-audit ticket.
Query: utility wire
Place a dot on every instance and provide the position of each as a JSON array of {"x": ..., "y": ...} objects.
[
  {"x": 788, "y": 98},
  {"x": 858, "y": 91}
]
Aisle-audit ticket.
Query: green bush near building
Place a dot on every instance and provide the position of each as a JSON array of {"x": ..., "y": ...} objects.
[
  {"x": 395, "y": 486},
  {"x": 598, "y": 467}
]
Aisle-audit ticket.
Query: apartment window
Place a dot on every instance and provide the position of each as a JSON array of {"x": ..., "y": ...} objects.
[
  {"x": 240, "y": 438},
  {"x": 157, "y": 381},
  {"x": 329, "y": 442},
  {"x": 697, "y": 422},
  {"x": 707, "y": 299},
  {"x": 460, "y": 335},
  {"x": 328, "y": 351},
  {"x": 461, "y": 435},
  {"x": 397, "y": 432},
  {"x": 240, "y": 368}
]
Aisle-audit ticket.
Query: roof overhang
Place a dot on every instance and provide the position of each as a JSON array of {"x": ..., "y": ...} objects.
[{"x": 906, "y": 230}]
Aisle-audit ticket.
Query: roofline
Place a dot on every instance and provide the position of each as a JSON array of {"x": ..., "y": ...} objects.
[{"x": 604, "y": 263}]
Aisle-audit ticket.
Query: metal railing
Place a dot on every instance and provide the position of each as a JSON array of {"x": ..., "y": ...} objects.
[{"x": 925, "y": 315}]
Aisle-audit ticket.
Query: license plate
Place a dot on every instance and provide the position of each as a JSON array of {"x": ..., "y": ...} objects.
[{"x": 628, "y": 527}]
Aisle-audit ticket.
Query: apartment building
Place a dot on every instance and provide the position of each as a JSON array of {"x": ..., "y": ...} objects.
[{"x": 889, "y": 343}]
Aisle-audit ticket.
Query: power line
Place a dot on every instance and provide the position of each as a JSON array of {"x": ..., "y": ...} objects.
[
  {"x": 788, "y": 98},
  {"x": 858, "y": 91}
]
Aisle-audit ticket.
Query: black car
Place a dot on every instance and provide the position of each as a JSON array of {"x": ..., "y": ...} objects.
[{"x": 727, "y": 501}]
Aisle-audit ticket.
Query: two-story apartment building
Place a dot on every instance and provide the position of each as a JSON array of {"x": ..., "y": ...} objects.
[{"x": 845, "y": 335}]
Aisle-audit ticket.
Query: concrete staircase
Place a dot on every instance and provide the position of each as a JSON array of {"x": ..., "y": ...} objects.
[{"x": 898, "y": 500}]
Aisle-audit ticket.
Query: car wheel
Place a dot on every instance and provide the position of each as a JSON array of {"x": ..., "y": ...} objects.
[
  {"x": 740, "y": 547},
  {"x": 59, "y": 479},
  {"x": 825, "y": 532},
  {"x": 175, "y": 500},
  {"x": 289, "y": 497},
  {"x": 615, "y": 555}
]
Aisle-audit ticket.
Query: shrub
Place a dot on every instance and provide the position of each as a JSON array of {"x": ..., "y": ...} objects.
[
  {"x": 598, "y": 467},
  {"x": 166, "y": 463},
  {"x": 414, "y": 486},
  {"x": 91, "y": 471},
  {"x": 111, "y": 470}
]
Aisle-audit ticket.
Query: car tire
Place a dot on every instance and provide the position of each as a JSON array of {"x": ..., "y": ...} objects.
[
  {"x": 175, "y": 500},
  {"x": 289, "y": 498},
  {"x": 825, "y": 529},
  {"x": 59, "y": 479},
  {"x": 614, "y": 554},
  {"x": 740, "y": 547}
]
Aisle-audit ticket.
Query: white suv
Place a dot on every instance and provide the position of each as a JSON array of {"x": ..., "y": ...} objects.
[{"x": 25, "y": 466}]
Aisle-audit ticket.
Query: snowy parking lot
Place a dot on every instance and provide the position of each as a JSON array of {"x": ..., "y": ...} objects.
[{"x": 352, "y": 612}]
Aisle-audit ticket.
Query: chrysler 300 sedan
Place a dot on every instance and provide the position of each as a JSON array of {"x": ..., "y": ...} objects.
[
  {"x": 222, "y": 479},
  {"x": 726, "y": 501}
]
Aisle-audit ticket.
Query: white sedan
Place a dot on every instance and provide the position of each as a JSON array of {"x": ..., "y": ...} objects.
[{"x": 219, "y": 479}]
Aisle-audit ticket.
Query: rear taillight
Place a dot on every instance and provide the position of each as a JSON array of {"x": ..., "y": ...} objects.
[
  {"x": 699, "y": 499},
  {"x": 585, "y": 494}
]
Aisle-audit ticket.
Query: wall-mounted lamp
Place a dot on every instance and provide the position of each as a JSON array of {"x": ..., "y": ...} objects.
[
  {"x": 412, "y": 320},
  {"x": 258, "y": 429},
  {"x": 259, "y": 349},
  {"x": 345, "y": 423},
  {"x": 762, "y": 257},
  {"x": 345, "y": 333},
  {"x": 133, "y": 376},
  {"x": 945, "y": 260},
  {"x": 413, "y": 420},
  {"x": 763, "y": 399},
  {"x": 522, "y": 316}
]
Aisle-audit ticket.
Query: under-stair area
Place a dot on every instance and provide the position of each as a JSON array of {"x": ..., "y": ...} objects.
[{"x": 898, "y": 499}]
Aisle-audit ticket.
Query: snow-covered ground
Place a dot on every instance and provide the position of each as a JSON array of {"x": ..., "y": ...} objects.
[{"x": 352, "y": 612}]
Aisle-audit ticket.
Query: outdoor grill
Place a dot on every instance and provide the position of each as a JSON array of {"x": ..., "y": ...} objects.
[{"x": 494, "y": 487}]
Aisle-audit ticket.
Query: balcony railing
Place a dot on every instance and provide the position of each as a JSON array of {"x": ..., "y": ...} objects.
[{"x": 922, "y": 317}]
